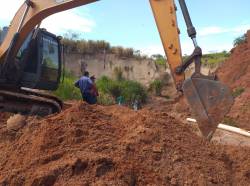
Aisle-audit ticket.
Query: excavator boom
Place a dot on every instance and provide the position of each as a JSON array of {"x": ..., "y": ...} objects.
[{"x": 209, "y": 99}]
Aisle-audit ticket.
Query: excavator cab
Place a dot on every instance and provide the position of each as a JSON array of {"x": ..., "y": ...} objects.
[
  {"x": 43, "y": 68},
  {"x": 37, "y": 65}
]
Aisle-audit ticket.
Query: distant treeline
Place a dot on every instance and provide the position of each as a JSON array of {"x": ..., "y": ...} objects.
[{"x": 72, "y": 44}]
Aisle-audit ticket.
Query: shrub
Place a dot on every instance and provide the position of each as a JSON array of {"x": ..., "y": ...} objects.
[
  {"x": 240, "y": 40},
  {"x": 156, "y": 87},
  {"x": 67, "y": 90},
  {"x": 130, "y": 90},
  {"x": 161, "y": 61}
]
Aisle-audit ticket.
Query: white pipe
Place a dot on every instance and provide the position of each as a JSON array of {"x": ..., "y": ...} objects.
[{"x": 227, "y": 128}]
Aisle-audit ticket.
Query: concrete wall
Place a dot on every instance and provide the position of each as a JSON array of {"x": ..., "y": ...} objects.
[{"x": 143, "y": 71}]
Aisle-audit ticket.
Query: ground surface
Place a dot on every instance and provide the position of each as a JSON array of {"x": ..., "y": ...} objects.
[{"x": 96, "y": 145}]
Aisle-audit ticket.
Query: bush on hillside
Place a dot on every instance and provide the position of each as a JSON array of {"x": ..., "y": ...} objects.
[
  {"x": 156, "y": 87},
  {"x": 239, "y": 40}
]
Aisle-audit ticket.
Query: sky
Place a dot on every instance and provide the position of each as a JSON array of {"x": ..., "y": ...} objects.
[{"x": 130, "y": 23}]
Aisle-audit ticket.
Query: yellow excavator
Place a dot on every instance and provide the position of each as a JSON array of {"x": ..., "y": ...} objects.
[{"x": 31, "y": 58}]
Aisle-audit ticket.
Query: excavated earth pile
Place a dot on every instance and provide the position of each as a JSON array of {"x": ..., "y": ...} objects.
[
  {"x": 96, "y": 145},
  {"x": 235, "y": 72}
]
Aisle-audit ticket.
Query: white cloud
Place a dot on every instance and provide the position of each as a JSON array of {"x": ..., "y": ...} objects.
[
  {"x": 57, "y": 23},
  {"x": 213, "y": 30},
  {"x": 68, "y": 20},
  {"x": 152, "y": 49}
]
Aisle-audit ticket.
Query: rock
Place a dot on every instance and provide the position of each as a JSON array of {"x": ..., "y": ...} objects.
[{"x": 16, "y": 122}]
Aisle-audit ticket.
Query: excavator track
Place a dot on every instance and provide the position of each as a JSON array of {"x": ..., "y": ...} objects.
[{"x": 29, "y": 102}]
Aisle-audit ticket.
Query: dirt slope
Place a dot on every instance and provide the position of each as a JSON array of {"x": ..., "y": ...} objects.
[
  {"x": 95, "y": 145},
  {"x": 235, "y": 72}
]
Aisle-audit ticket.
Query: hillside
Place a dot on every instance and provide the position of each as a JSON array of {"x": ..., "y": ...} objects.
[{"x": 235, "y": 72}]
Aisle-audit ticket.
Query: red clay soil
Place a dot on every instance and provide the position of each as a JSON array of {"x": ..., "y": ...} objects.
[
  {"x": 96, "y": 145},
  {"x": 235, "y": 72}
]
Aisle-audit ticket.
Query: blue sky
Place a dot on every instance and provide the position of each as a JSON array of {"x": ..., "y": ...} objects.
[{"x": 130, "y": 23}]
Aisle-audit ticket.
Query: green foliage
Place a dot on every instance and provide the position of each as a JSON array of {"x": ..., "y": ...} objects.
[
  {"x": 156, "y": 87},
  {"x": 239, "y": 40},
  {"x": 67, "y": 90},
  {"x": 159, "y": 59},
  {"x": 238, "y": 91},
  {"x": 105, "y": 99},
  {"x": 130, "y": 90},
  {"x": 214, "y": 59}
]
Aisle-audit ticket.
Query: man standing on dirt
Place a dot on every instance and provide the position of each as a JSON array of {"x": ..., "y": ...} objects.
[{"x": 85, "y": 84}]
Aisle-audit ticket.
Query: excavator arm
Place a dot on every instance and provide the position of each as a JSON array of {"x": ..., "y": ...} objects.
[
  {"x": 209, "y": 99},
  {"x": 164, "y": 12}
]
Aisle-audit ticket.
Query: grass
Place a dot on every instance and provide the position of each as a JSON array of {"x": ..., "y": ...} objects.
[
  {"x": 109, "y": 90},
  {"x": 67, "y": 90}
]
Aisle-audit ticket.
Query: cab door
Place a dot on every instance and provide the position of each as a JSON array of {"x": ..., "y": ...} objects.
[
  {"x": 43, "y": 69},
  {"x": 50, "y": 61}
]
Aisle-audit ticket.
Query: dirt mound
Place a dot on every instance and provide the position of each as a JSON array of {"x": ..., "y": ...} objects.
[
  {"x": 235, "y": 72},
  {"x": 95, "y": 145}
]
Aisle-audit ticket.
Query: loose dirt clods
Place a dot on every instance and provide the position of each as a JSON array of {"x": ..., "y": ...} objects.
[{"x": 96, "y": 145}]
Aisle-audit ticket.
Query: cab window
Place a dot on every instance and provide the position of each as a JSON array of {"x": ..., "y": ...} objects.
[{"x": 50, "y": 59}]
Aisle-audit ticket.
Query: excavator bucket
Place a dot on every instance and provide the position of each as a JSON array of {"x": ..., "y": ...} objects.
[{"x": 210, "y": 101}]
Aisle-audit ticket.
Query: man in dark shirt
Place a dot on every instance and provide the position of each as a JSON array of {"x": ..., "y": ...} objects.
[{"x": 85, "y": 85}]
